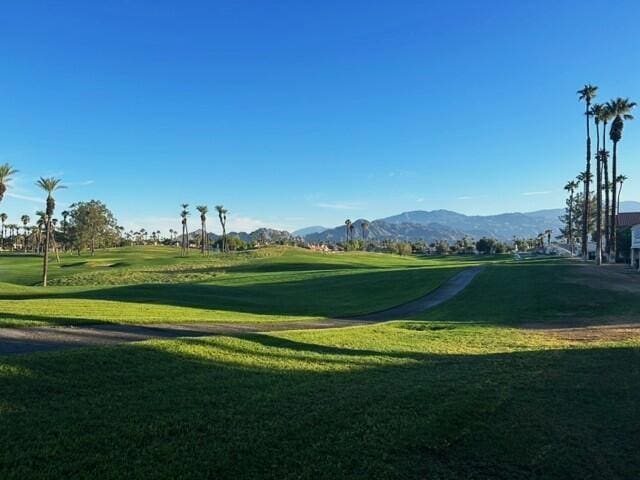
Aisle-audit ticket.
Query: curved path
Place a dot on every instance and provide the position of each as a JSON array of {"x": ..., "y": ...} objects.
[{"x": 27, "y": 340}]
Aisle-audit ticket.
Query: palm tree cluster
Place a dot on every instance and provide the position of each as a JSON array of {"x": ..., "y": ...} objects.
[
  {"x": 45, "y": 222},
  {"x": 350, "y": 230},
  {"x": 613, "y": 113},
  {"x": 204, "y": 237}
]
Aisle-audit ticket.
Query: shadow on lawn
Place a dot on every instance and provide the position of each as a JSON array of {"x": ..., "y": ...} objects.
[
  {"x": 202, "y": 408},
  {"x": 5, "y": 318},
  {"x": 350, "y": 294}
]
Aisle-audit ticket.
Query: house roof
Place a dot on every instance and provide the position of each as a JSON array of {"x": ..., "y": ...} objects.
[{"x": 628, "y": 219}]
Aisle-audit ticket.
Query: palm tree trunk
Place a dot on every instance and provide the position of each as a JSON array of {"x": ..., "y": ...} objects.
[
  {"x": 182, "y": 244},
  {"x": 618, "y": 202},
  {"x": 585, "y": 213},
  {"x": 598, "y": 199},
  {"x": 224, "y": 238},
  {"x": 45, "y": 266},
  {"x": 607, "y": 207},
  {"x": 613, "y": 221},
  {"x": 571, "y": 223},
  {"x": 202, "y": 233}
]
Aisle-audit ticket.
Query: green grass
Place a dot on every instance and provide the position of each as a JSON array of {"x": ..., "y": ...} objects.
[
  {"x": 460, "y": 392},
  {"x": 150, "y": 285},
  {"x": 552, "y": 292}
]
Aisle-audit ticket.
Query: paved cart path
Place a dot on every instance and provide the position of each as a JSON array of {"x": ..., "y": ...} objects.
[{"x": 27, "y": 340}]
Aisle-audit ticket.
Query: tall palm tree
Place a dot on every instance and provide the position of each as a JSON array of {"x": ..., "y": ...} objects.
[
  {"x": 571, "y": 187},
  {"x": 347, "y": 224},
  {"x": 364, "y": 225},
  {"x": 6, "y": 172},
  {"x": 203, "y": 209},
  {"x": 587, "y": 94},
  {"x": 25, "y": 219},
  {"x": 620, "y": 179},
  {"x": 3, "y": 219},
  {"x": 222, "y": 216},
  {"x": 352, "y": 229},
  {"x": 49, "y": 185},
  {"x": 621, "y": 108},
  {"x": 596, "y": 112},
  {"x": 605, "y": 117},
  {"x": 185, "y": 231}
]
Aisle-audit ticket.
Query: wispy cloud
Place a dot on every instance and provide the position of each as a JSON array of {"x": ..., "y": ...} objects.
[
  {"x": 80, "y": 184},
  {"x": 465, "y": 197},
  {"x": 400, "y": 173},
  {"x": 542, "y": 192},
  {"x": 28, "y": 198},
  {"x": 338, "y": 205}
]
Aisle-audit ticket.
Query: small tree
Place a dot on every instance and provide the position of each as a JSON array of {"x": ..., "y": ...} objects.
[
  {"x": 486, "y": 245},
  {"x": 92, "y": 225}
]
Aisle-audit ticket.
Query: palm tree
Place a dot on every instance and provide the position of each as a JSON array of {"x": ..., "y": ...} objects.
[
  {"x": 605, "y": 117},
  {"x": 352, "y": 229},
  {"x": 3, "y": 219},
  {"x": 65, "y": 215},
  {"x": 6, "y": 172},
  {"x": 620, "y": 179},
  {"x": 596, "y": 111},
  {"x": 347, "y": 224},
  {"x": 222, "y": 216},
  {"x": 49, "y": 185},
  {"x": 621, "y": 108},
  {"x": 587, "y": 94},
  {"x": 185, "y": 232},
  {"x": 203, "y": 209},
  {"x": 571, "y": 187},
  {"x": 25, "y": 221},
  {"x": 364, "y": 225}
]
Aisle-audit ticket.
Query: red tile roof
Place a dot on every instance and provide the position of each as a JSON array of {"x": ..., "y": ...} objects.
[{"x": 628, "y": 219}]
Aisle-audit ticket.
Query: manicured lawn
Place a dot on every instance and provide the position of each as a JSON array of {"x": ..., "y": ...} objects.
[
  {"x": 545, "y": 292},
  {"x": 149, "y": 285},
  {"x": 460, "y": 393}
]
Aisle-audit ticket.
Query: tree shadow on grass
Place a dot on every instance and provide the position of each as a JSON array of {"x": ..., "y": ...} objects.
[
  {"x": 326, "y": 296},
  {"x": 195, "y": 409},
  {"x": 15, "y": 320}
]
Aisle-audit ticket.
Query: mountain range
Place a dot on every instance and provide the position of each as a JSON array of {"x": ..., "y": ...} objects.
[
  {"x": 435, "y": 225},
  {"x": 428, "y": 226}
]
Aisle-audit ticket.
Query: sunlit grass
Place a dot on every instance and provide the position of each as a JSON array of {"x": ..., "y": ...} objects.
[
  {"x": 401, "y": 400},
  {"x": 460, "y": 392},
  {"x": 154, "y": 284}
]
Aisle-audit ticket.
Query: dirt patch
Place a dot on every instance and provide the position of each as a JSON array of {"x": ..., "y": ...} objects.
[
  {"x": 613, "y": 332},
  {"x": 617, "y": 278}
]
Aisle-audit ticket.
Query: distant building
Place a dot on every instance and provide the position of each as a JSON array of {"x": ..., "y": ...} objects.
[
  {"x": 635, "y": 247},
  {"x": 631, "y": 220}
]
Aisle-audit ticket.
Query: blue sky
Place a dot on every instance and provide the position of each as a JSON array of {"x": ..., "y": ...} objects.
[{"x": 301, "y": 113}]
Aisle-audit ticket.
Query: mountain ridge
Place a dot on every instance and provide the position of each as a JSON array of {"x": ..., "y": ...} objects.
[{"x": 442, "y": 224}]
